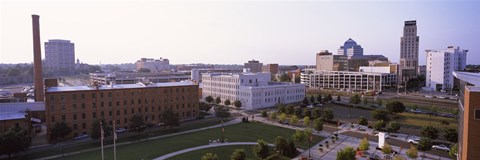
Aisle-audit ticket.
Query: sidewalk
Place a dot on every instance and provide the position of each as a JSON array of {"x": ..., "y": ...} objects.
[{"x": 235, "y": 121}]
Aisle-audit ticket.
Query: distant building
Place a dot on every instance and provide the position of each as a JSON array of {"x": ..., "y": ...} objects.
[
  {"x": 329, "y": 62},
  {"x": 440, "y": 65},
  {"x": 254, "y": 66},
  {"x": 254, "y": 90},
  {"x": 355, "y": 62},
  {"x": 422, "y": 70},
  {"x": 135, "y": 77},
  {"x": 469, "y": 112},
  {"x": 154, "y": 65},
  {"x": 196, "y": 74},
  {"x": 408, "y": 52},
  {"x": 392, "y": 68},
  {"x": 348, "y": 81},
  {"x": 271, "y": 68},
  {"x": 59, "y": 56},
  {"x": 350, "y": 48}
]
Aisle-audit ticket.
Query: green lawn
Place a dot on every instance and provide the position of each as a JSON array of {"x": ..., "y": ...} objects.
[
  {"x": 223, "y": 153},
  {"x": 413, "y": 123},
  {"x": 244, "y": 132}
]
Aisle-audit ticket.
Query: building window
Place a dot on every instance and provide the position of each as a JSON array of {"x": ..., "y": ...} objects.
[
  {"x": 64, "y": 117},
  {"x": 477, "y": 114},
  {"x": 83, "y": 115},
  {"x": 84, "y": 126},
  {"x": 75, "y": 126},
  {"x": 94, "y": 115},
  {"x": 52, "y": 118}
]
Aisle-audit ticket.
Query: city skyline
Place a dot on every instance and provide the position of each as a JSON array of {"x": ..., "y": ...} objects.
[{"x": 234, "y": 32}]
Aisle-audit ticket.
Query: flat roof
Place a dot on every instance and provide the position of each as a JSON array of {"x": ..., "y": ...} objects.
[
  {"x": 22, "y": 107},
  {"x": 470, "y": 77},
  {"x": 119, "y": 86},
  {"x": 11, "y": 116}
]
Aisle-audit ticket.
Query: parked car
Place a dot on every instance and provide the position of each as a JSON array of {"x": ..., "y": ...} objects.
[
  {"x": 83, "y": 136},
  {"x": 120, "y": 130},
  {"x": 441, "y": 147},
  {"x": 413, "y": 141}
]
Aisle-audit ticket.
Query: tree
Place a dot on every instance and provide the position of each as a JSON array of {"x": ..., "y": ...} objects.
[
  {"x": 305, "y": 101},
  {"x": 453, "y": 151},
  {"x": 291, "y": 149},
  {"x": 284, "y": 78},
  {"x": 363, "y": 121},
  {"x": 379, "y": 102},
  {"x": 281, "y": 108},
  {"x": 430, "y": 132},
  {"x": 365, "y": 101},
  {"x": 412, "y": 152},
  {"x": 306, "y": 121},
  {"x": 380, "y": 114},
  {"x": 209, "y": 99},
  {"x": 261, "y": 150},
  {"x": 16, "y": 139},
  {"x": 281, "y": 145},
  {"x": 222, "y": 112},
  {"x": 312, "y": 99},
  {"x": 393, "y": 126},
  {"x": 169, "y": 118},
  {"x": 273, "y": 115},
  {"x": 238, "y": 154},
  {"x": 294, "y": 119},
  {"x": 395, "y": 107},
  {"x": 379, "y": 125},
  {"x": 328, "y": 114},
  {"x": 355, "y": 99},
  {"x": 299, "y": 136},
  {"x": 237, "y": 103},
  {"x": 227, "y": 102},
  {"x": 95, "y": 131},
  {"x": 264, "y": 113},
  {"x": 364, "y": 145},
  {"x": 204, "y": 106},
  {"x": 425, "y": 144},
  {"x": 307, "y": 112},
  {"x": 210, "y": 156},
  {"x": 298, "y": 112},
  {"x": 290, "y": 109},
  {"x": 387, "y": 149},
  {"x": 318, "y": 124},
  {"x": 60, "y": 130},
  {"x": 317, "y": 113},
  {"x": 137, "y": 124},
  {"x": 218, "y": 100},
  {"x": 282, "y": 117},
  {"x": 339, "y": 98},
  {"x": 348, "y": 153},
  {"x": 328, "y": 98},
  {"x": 319, "y": 98},
  {"x": 451, "y": 135}
]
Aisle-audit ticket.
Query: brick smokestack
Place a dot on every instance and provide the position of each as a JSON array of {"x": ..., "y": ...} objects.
[{"x": 37, "y": 60}]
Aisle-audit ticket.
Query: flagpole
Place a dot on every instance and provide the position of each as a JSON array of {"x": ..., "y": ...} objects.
[
  {"x": 101, "y": 138},
  {"x": 114, "y": 139}
]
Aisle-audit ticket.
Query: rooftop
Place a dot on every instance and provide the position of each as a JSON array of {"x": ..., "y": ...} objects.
[
  {"x": 21, "y": 106},
  {"x": 11, "y": 116},
  {"x": 473, "y": 78},
  {"x": 119, "y": 86}
]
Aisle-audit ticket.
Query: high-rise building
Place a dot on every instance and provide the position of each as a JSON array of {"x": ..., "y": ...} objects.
[
  {"x": 408, "y": 52},
  {"x": 350, "y": 49},
  {"x": 326, "y": 61},
  {"x": 469, "y": 112},
  {"x": 271, "y": 68},
  {"x": 154, "y": 65},
  {"x": 254, "y": 66},
  {"x": 59, "y": 56},
  {"x": 440, "y": 65}
]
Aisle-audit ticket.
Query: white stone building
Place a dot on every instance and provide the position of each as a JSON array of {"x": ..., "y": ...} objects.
[
  {"x": 440, "y": 65},
  {"x": 348, "y": 81},
  {"x": 254, "y": 90}
]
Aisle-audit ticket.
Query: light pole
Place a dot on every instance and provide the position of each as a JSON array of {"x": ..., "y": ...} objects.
[{"x": 223, "y": 130}]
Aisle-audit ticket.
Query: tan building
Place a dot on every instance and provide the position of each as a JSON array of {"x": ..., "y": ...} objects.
[
  {"x": 326, "y": 61},
  {"x": 79, "y": 106},
  {"x": 408, "y": 52},
  {"x": 271, "y": 68},
  {"x": 469, "y": 107}
]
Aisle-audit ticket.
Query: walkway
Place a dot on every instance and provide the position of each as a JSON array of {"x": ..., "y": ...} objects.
[
  {"x": 235, "y": 121},
  {"x": 205, "y": 146}
]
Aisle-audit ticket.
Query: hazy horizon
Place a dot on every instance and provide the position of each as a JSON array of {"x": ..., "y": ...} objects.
[{"x": 233, "y": 32}]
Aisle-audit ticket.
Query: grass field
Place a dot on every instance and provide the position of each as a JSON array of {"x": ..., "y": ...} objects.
[
  {"x": 222, "y": 152},
  {"x": 413, "y": 123},
  {"x": 244, "y": 132}
]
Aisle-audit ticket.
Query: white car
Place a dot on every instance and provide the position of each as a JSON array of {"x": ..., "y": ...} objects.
[
  {"x": 120, "y": 130},
  {"x": 81, "y": 137},
  {"x": 441, "y": 147},
  {"x": 413, "y": 141}
]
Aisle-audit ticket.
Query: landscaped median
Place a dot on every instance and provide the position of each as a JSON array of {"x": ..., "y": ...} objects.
[{"x": 243, "y": 132}]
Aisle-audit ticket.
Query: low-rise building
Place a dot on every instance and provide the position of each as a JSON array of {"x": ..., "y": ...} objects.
[
  {"x": 348, "y": 81},
  {"x": 254, "y": 66},
  {"x": 154, "y": 65},
  {"x": 135, "y": 77},
  {"x": 254, "y": 90}
]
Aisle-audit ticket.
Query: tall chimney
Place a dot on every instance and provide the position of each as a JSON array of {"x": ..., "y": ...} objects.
[{"x": 37, "y": 60}]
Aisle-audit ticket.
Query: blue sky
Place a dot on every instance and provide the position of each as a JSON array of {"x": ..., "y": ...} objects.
[{"x": 232, "y": 32}]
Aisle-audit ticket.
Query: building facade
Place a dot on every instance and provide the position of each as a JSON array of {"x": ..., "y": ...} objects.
[
  {"x": 329, "y": 62},
  {"x": 440, "y": 65},
  {"x": 469, "y": 112},
  {"x": 408, "y": 52},
  {"x": 254, "y": 90},
  {"x": 271, "y": 68},
  {"x": 355, "y": 62},
  {"x": 135, "y": 77},
  {"x": 348, "y": 81},
  {"x": 59, "y": 56},
  {"x": 80, "y": 106},
  {"x": 350, "y": 49},
  {"x": 254, "y": 66},
  {"x": 154, "y": 65}
]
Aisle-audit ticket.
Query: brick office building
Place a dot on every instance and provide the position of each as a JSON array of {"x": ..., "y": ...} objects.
[{"x": 79, "y": 106}]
